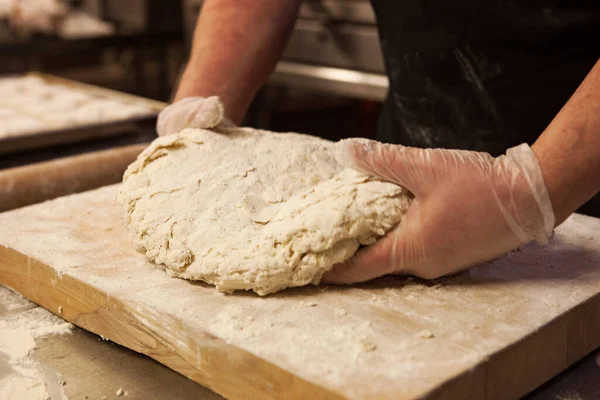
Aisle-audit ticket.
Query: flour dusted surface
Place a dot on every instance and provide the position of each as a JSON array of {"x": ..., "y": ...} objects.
[
  {"x": 21, "y": 325},
  {"x": 247, "y": 209},
  {"x": 32, "y": 104}
]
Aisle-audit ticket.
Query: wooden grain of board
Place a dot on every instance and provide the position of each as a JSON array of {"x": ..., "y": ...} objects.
[{"x": 495, "y": 332}]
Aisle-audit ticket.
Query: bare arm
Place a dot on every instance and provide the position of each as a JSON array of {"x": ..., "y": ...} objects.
[
  {"x": 236, "y": 46},
  {"x": 569, "y": 149}
]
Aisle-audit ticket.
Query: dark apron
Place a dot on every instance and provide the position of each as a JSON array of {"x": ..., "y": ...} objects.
[{"x": 482, "y": 75}]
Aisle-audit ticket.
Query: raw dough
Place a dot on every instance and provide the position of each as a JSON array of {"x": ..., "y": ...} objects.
[{"x": 247, "y": 209}]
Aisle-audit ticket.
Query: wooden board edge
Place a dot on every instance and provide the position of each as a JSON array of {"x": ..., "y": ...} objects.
[
  {"x": 584, "y": 324},
  {"x": 509, "y": 373},
  {"x": 248, "y": 376}
]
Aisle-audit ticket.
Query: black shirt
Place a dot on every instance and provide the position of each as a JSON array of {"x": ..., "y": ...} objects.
[{"x": 481, "y": 75}]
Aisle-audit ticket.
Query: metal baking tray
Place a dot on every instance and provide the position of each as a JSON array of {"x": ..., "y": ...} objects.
[{"x": 85, "y": 131}]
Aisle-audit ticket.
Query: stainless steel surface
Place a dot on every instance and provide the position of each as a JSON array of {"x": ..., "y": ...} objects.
[
  {"x": 337, "y": 81},
  {"x": 337, "y": 33},
  {"x": 355, "y": 11},
  {"x": 341, "y": 45},
  {"x": 146, "y": 15},
  {"x": 334, "y": 48},
  {"x": 130, "y": 12},
  {"x": 331, "y": 11},
  {"x": 92, "y": 368},
  {"x": 191, "y": 9}
]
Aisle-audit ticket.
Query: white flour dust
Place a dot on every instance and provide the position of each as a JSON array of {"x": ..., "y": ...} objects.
[{"x": 21, "y": 324}]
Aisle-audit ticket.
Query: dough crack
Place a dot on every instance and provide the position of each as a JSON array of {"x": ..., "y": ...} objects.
[{"x": 169, "y": 192}]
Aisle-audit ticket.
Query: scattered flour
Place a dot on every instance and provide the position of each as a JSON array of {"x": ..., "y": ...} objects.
[
  {"x": 426, "y": 334},
  {"x": 16, "y": 386},
  {"x": 340, "y": 312},
  {"x": 21, "y": 323},
  {"x": 19, "y": 331}
]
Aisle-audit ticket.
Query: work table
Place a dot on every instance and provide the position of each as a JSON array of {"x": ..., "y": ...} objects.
[
  {"x": 497, "y": 331},
  {"x": 94, "y": 368}
]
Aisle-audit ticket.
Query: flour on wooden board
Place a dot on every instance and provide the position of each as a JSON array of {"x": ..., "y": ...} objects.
[{"x": 248, "y": 209}]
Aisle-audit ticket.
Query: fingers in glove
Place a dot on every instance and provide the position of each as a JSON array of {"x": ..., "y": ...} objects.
[
  {"x": 400, "y": 251},
  {"x": 369, "y": 263},
  {"x": 419, "y": 170},
  {"x": 191, "y": 112},
  {"x": 173, "y": 118},
  {"x": 208, "y": 113},
  {"x": 406, "y": 166}
]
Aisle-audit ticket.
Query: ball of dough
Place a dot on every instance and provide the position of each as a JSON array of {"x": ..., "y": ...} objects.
[{"x": 252, "y": 210}]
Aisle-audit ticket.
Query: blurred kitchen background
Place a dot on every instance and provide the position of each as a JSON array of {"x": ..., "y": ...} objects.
[{"x": 330, "y": 82}]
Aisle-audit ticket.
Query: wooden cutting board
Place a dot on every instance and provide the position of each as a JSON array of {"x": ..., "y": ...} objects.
[{"x": 495, "y": 332}]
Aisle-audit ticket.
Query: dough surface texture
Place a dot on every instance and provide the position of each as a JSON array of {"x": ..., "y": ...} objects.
[{"x": 252, "y": 210}]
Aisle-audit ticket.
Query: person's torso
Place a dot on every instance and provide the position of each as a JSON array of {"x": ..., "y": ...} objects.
[{"x": 481, "y": 75}]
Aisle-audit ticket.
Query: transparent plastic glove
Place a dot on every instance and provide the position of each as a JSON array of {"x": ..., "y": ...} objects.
[
  {"x": 469, "y": 208},
  {"x": 192, "y": 112}
]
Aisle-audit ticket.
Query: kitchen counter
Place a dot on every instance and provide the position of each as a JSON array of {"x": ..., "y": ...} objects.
[{"x": 88, "y": 367}]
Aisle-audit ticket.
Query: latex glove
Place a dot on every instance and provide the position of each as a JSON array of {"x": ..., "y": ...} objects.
[
  {"x": 192, "y": 112},
  {"x": 469, "y": 208}
]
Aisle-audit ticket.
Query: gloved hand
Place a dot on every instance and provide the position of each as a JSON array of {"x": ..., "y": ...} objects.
[
  {"x": 192, "y": 112},
  {"x": 469, "y": 208}
]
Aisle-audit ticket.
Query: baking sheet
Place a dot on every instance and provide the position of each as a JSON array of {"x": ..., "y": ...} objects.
[{"x": 80, "y": 131}]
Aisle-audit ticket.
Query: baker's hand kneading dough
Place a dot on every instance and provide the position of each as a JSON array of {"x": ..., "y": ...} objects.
[
  {"x": 192, "y": 112},
  {"x": 469, "y": 207}
]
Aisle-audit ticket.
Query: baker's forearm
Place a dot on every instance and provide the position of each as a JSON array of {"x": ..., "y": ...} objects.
[
  {"x": 569, "y": 149},
  {"x": 236, "y": 46}
]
